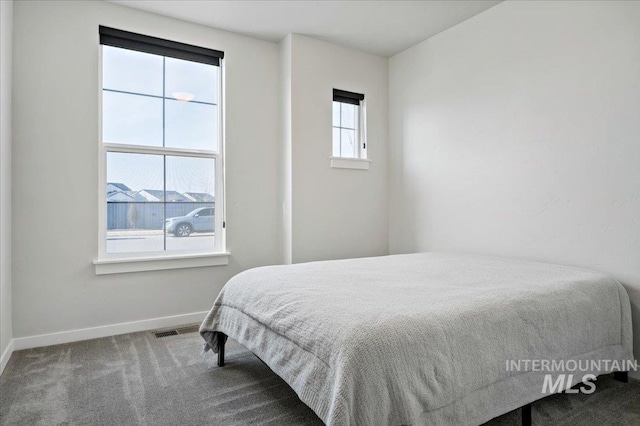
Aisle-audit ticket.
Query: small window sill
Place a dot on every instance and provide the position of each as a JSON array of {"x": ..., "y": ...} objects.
[
  {"x": 350, "y": 163},
  {"x": 157, "y": 263}
]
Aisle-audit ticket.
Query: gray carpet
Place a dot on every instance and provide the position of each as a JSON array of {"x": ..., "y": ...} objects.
[{"x": 137, "y": 379}]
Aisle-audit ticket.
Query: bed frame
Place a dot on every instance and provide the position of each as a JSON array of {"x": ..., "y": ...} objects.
[
  {"x": 222, "y": 339},
  {"x": 621, "y": 376}
]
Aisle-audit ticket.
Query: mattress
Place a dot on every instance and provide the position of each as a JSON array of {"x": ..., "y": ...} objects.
[{"x": 421, "y": 338}]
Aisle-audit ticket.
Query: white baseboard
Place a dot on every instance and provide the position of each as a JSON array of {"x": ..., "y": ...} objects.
[
  {"x": 104, "y": 331},
  {"x": 4, "y": 359}
]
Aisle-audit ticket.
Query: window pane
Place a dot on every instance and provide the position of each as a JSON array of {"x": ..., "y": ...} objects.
[
  {"x": 349, "y": 116},
  {"x": 131, "y": 71},
  {"x": 191, "y": 125},
  {"x": 191, "y": 176},
  {"x": 190, "y": 200},
  {"x": 347, "y": 143},
  {"x": 131, "y": 119},
  {"x": 191, "y": 80},
  {"x": 336, "y": 142},
  {"x": 136, "y": 172},
  {"x": 135, "y": 211},
  {"x": 336, "y": 114}
]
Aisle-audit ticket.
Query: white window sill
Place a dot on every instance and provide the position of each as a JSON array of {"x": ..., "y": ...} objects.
[
  {"x": 350, "y": 163},
  {"x": 157, "y": 263}
]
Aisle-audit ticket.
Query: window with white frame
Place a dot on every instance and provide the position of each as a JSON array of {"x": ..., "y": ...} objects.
[
  {"x": 348, "y": 125},
  {"x": 161, "y": 148}
]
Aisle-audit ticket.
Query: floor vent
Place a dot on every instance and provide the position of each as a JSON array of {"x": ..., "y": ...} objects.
[
  {"x": 182, "y": 330},
  {"x": 167, "y": 333},
  {"x": 188, "y": 329}
]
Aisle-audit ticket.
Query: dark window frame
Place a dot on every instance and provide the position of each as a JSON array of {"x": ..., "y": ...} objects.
[
  {"x": 347, "y": 97},
  {"x": 159, "y": 46}
]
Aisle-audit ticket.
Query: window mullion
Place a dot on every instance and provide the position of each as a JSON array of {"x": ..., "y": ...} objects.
[
  {"x": 146, "y": 95},
  {"x": 164, "y": 100},
  {"x": 357, "y": 133},
  {"x": 340, "y": 122},
  {"x": 151, "y": 150},
  {"x": 164, "y": 205},
  {"x": 164, "y": 157}
]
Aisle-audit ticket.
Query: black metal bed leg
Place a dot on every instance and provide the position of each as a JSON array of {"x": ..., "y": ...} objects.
[
  {"x": 621, "y": 376},
  {"x": 222, "y": 339},
  {"x": 526, "y": 415}
]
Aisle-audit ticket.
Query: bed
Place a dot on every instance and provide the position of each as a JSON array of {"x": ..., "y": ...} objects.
[{"x": 420, "y": 338}]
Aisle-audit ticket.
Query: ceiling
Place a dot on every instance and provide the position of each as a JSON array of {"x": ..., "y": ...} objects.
[{"x": 380, "y": 27}]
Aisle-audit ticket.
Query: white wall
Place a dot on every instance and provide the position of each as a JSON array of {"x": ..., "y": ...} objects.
[
  {"x": 516, "y": 133},
  {"x": 336, "y": 213},
  {"x": 6, "y": 29},
  {"x": 55, "y": 170}
]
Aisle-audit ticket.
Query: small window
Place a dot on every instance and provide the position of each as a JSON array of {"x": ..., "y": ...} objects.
[
  {"x": 162, "y": 151},
  {"x": 348, "y": 125}
]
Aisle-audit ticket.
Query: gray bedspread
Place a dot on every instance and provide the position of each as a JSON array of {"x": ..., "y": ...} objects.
[{"x": 420, "y": 338}]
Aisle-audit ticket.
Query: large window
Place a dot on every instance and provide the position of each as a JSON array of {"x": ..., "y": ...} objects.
[{"x": 161, "y": 148}]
